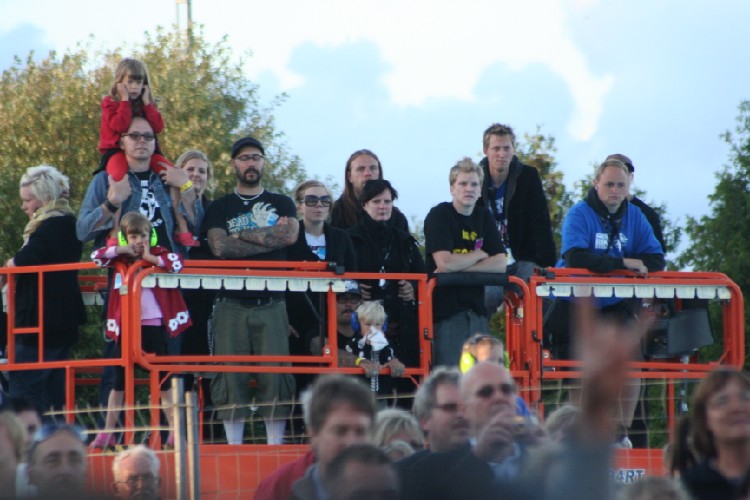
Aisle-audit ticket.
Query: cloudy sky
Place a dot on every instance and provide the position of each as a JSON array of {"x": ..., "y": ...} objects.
[{"x": 418, "y": 81}]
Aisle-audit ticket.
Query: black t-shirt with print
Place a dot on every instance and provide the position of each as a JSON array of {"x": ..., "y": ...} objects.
[{"x": 446, "y": 229}]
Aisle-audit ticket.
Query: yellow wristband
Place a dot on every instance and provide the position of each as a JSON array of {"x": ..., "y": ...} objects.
[
  {"x": 186, "y": 186},
  {"x": 359, "y": 360}
]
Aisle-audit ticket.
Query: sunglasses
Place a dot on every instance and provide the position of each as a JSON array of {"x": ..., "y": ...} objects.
[
  {"x": 312, "y": 201},
  {"x": 487, "y": 391},
  {"x": 138, "y": 136}
]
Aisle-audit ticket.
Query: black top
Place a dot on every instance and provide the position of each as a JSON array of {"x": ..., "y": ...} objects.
[
  {"x": 446, "y": 229},
  {"x": 704, "y": 482},
  {"x": 307, "y": 310},
  {"x": 653, "y": 218},
  {"x": 232, "y": 214},
  {"x": 53, "y": 242},
  {"x": 529, "y": 227},
  {"x": 383, "y": 247}
]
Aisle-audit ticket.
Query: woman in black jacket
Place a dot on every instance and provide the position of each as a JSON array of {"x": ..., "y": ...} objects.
[
  {"x": 317, "y": 241},
  {"x": 48, "y": 238},
  {"x": 381, "y": 246}
]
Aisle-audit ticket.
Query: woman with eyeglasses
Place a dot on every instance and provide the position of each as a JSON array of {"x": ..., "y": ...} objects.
[
  {"x": 382, "y": 247},
  {"x": 317, "y": 241},
  {"x": 720, "y": 435}
]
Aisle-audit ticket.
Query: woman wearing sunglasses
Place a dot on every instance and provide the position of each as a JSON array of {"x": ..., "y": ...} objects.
[{"x": 318, "y": 241}]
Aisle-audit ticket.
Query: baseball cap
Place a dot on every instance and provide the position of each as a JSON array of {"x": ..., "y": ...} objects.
[
  {"x": 246, "y": 142},
  {"x": 628, "y": 163},
  {"x": 351, "y": 286}
]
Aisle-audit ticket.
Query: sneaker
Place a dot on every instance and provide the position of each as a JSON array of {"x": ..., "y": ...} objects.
[
  {"x": 103, "y": 440},
  {"x": 186, "y": 239}
]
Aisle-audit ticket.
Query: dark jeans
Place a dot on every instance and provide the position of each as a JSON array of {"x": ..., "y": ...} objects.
[{"x": 45, "y": 388}]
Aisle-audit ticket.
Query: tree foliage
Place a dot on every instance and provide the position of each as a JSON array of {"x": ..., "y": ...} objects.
[
  {"x": 51, "y": 114},
  {"x": 719, "y": 241}
]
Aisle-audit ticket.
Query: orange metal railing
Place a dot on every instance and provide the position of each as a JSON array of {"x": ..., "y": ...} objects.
[{"x": 523, "y": 315}]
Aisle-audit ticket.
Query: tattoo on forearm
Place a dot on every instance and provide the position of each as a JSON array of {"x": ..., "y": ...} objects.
[{"x": 269, "y": 237}]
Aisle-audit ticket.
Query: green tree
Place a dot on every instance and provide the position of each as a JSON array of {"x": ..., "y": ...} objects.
[
  {"x": 51, "y": 114},
  {"x": 719, "y": 240}
]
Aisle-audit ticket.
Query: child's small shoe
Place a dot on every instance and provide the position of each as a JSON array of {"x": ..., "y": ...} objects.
[
  {"x": 170, "y": 440},
  {"x": 186, "y": 239},
  {"x": 103, "y": 440}
]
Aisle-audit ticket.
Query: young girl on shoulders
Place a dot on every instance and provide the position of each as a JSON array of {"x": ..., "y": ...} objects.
[
  {"x": 163, "y": 311},
  {"x": 132, "y": 95}
]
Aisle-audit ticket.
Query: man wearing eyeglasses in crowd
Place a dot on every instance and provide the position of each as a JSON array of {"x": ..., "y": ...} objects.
[
  {"x": 251, "y": 224},
  {"x": 489, "y": 468},
  {"x": 57, "y": 462},
  {"x": 142, "y": 190},
  {"x": 497, "y": 435},
  {"x": 136, "y": 474},
  {"x": 437, "y": 408}
]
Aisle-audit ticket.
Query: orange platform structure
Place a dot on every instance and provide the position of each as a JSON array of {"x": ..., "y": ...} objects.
[{"x": 234, "y": 471}]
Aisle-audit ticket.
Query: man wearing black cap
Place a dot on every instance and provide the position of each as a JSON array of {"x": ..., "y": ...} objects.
[
  {"x": 251, "y": 224},
  {"x": 651, "y": 215}
]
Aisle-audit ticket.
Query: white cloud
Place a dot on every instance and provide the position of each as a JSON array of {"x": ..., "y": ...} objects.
[{"x": 434, "y": 48}]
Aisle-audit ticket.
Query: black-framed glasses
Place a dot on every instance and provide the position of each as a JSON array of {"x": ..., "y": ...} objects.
[
  {"x": 448, "y": 407},
  {"x": 137, "y": 136},
  {"x": 312, "y": 201},
  {"x": 132, "y": 481},
  {"x": 252, "y": 157},
  {"x": 487, "y": 391}
]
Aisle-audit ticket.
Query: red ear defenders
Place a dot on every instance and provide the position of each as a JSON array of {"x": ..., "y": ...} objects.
[
  {"x": 123, "y": 241},
  {"x": 358, "y": 328}
]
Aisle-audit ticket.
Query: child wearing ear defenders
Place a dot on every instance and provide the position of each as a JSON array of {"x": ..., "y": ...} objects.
[
  {"x": 163, "y": 311},
  {"x": 372, "y": 349}
]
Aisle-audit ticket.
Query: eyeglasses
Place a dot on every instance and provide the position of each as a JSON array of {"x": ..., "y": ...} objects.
[
  {"x": 487, "y": 391},
  {"x": 137, "y": 136},
  {"x": 448, "y": 407},
  {"x": 253, "y": 157},
  {"x": 132, "y": 481},
  {"x": 312, "y": 201}
]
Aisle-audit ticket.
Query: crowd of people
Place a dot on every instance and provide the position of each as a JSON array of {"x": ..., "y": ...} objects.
[{"x": 141, "y": 207}]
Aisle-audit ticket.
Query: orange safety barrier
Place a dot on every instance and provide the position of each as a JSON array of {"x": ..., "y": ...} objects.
[
  {"x": 275, "y": 274},
  {"x": 523, "y": 315},
  {"x": 661, "y": 285}
]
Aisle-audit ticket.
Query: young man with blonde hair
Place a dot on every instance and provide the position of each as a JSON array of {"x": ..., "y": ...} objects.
[{"x": 460, "y": 236}]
